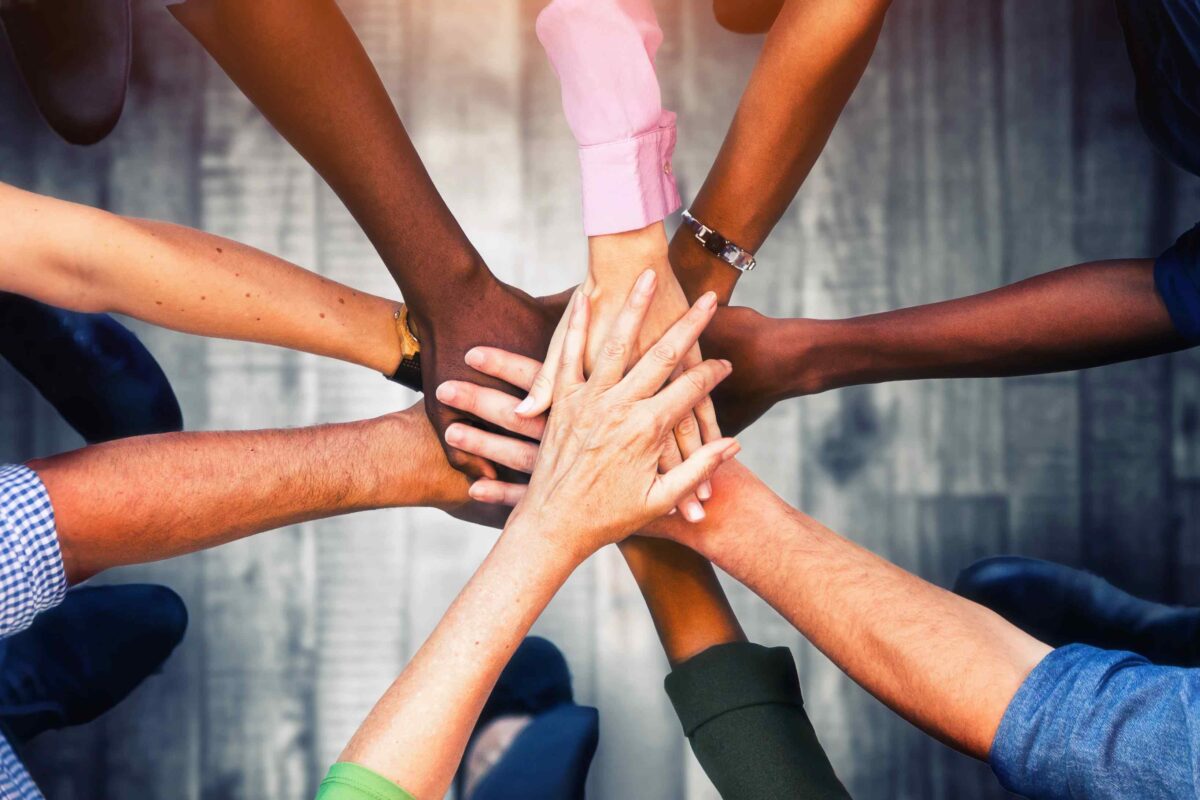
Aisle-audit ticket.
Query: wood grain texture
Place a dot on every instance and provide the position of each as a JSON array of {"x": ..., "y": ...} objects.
[{"x": 987, "y": 142}]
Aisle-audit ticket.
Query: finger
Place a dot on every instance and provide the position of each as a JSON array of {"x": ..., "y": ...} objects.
[
  {"x": 705, "y": 414},
  {"x": 513, "y": 453},
  {"x": 685, "y": 392},
  {"x": 495, "y": 492},
  {"x": 687, "y": 437},
  {"x": 442, "y": 417},
  {"x": 652, "y": 370},
  {"x": 490, "y": 405},
  {"x": 680, "y": 481},
  {"x": 689, "y": 506},
  {"x": 614, "y": 355},
  {"x": 511, "y": 368},
  {"x": 541, "y": 385},
  {"x": 570, "y": 368}
]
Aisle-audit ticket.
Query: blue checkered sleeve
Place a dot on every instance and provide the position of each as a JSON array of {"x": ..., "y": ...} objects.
[
  {"x": 31, "y": 568},
  {"x": 15, "y": 781}
]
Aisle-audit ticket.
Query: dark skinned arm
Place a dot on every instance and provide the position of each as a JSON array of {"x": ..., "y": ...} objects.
[
  {"x": 812, "y": 59},
  {"x": 306, "y": 70},
  {"x": 1077, "y": 317}
]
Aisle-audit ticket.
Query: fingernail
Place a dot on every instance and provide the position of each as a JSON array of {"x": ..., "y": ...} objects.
[
  {"x": 693, "y": 511},
  {"x": 446, "y": 392},
  {"x": 707, "y": 300},
  {"x": 731, "y": 451},
  {"x": 454, "y": 434},
  {"x": 671, "y": 512},
  {"x": 473, "y": 492},
  {"x": 728, "y": 364},
  {"x": 704, "y": 491},
  {"x": 645, "y": 281},
  {"x": 523, "y": 406},
  {"x": 474, "y": 358}
]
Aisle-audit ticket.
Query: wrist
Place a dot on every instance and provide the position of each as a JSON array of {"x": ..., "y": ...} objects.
[
  {"x": 699, "y": 271},
  {"x": 436, "y": 290},
  {"x": 547, "y": 538},
  {"x": 617, "y": 259}
]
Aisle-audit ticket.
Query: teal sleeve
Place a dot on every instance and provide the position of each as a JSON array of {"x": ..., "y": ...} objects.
[{"x": 346, "y": 781}]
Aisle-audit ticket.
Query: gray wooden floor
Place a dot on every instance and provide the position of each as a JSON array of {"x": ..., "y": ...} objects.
[{"x": 988, "y": 141}]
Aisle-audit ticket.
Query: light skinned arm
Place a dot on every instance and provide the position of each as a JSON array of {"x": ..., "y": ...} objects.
[
  {"x": 596, "y": 475},
  {"x": 811, "y": 61},
  {"x": 947, "y": 665},
  {"x": 84, "y": 259},
  {"x": 1072, "y": 318},
  {"x": 153, "y": 497},
  {"x": 603, "y": 53}
]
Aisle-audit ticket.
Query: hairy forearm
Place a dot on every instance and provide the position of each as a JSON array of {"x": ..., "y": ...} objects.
[
  {"x": 944, "y": 663},
  {"x": 1081, "y": 316},
  {"x": 417, "y": 732},
  {"x": 306, "y": 70},
  {"x": 154, "y": 497},
  {"x": 810, "y": 63},
  {"x": 85, "y": 259},
  {"x": 684, "y": 597}
]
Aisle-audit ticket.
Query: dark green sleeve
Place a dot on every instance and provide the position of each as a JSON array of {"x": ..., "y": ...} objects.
[{"x": 742, "y": 711}]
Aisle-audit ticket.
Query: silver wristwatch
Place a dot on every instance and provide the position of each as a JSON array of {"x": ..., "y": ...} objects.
[{"x": 719, "y": 246}]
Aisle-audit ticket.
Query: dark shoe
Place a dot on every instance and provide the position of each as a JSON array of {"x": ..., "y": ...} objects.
[
  {"x": 550, "y": 740},
  {"x": 1061, "y": 605},
  {"x": 93, "y": 370},
  {"x": 83, "y": 657},
  {"x": 74, "y": 56}
]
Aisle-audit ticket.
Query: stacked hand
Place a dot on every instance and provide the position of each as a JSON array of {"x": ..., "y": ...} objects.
[
  {"x": 601, "y": 443},
  {"x": 615, "y": 261}
]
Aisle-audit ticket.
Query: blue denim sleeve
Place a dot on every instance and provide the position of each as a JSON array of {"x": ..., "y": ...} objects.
[
  {"x": 1101, "y": 724},
  {"x": 1177, "y": 278}
]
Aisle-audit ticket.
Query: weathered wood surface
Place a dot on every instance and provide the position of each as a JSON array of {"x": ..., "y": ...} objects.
[{"x": 987, "y": 142}]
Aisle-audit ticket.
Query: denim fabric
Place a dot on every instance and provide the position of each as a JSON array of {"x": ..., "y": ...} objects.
[
  {"x": 1163, "y": 40},
  {"x": 1177, "y": 279},
  {"x": 1101, "y": 724}
]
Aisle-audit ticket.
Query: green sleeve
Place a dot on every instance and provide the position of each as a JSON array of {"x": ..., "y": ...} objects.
[
  {"x": 741, "y": 708},
  {"x": 346, "y": 781}
]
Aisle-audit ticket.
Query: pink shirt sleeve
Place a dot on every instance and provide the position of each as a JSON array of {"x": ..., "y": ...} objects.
[{"x": 603, "y": 52}]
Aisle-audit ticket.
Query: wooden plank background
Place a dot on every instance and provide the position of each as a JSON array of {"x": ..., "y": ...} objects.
[{"x": 988, "y": 141}]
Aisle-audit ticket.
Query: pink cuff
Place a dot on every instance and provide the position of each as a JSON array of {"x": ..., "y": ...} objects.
[{"x": 629, "y": 184}]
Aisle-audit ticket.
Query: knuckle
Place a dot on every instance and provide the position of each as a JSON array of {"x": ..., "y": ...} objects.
[
  {"x": 664, "y": 353},
  {"x": 697, "y": 380},
  {"x": 687, "y": 427},
  {"x": 613, "y": 348}
]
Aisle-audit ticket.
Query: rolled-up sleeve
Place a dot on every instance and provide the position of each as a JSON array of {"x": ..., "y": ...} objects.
[
  {"x": 1177, "y": 279},
  {"x": 1101, "y": 724},
  {"x": 603, "y": 53},
  {"x": 32, "y": 578}
]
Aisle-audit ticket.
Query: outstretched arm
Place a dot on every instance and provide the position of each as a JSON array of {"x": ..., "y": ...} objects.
[
  {"x": 85, "y": 259},
  {"x": 305, "y": 69},
  {"x": 153, "y": 497},
  {"x": 949, "y": 666},
  {"x": 1081, "y": 316},
  {"x": 595, "y": 479},
  {"x": 811, "y": 61}
]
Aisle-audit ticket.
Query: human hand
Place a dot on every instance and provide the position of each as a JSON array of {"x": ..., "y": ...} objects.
[
  {"x": 596, "y": 472},
  {"x": 485, "y": 312},
  {"x": 615, "y": 262}
]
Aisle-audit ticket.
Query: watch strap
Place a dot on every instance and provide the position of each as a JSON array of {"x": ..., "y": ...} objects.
[
  {"x": 408, "y": 373},
  {"x": 737, "y": 257}
]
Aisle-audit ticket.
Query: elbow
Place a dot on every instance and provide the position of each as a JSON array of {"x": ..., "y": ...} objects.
[{"x": 746, "y": 16}]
